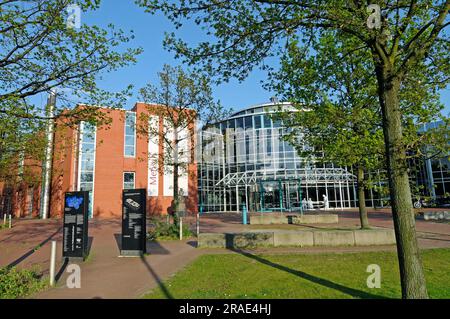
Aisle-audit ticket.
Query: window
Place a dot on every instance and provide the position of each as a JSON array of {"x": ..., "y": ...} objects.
[
  {"x": 128, "y": 180},
  {"x": 130, "y": 134},
  {"x": 257, "y": 121},
  {"x": 267, "y": 121},
  {"x": 240, "y": 122},
  {"x": 248, "y": 122},
  {"x": 86, "y": 168},
  {"x": 30, "y": 195}
]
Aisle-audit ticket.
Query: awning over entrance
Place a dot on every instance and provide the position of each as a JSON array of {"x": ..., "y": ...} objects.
[{"x": 305, "y": 176}]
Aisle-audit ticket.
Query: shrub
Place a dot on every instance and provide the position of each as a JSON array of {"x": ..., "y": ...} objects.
[
  {"x": 161, "y": 229},
  {"x": 19, "y": 283}
]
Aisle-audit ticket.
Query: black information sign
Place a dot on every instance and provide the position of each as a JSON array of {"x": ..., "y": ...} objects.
[
  {"x": 134, "y": 231},
  {"x": 75, "y": 233}
]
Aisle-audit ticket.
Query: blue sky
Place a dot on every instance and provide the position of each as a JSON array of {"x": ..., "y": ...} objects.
[{"x": 149, "y": 34}]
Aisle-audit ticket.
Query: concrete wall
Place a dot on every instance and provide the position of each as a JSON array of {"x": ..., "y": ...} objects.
[
  {"x": 334, "y": 238},
  {"x": 298, "y": 238},
  {"x": 436, "y": 216},
  {"x": 268, "y": 219}
]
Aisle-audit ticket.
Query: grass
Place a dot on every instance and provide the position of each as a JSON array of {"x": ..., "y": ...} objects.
[
  {"x": 334, "y": 275},
  {"x": 16, "y": 283}
]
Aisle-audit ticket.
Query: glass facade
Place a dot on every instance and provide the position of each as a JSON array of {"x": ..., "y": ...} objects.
[
  {"x": 434, "y": 174},
  {"x": 246, "y": 161}
]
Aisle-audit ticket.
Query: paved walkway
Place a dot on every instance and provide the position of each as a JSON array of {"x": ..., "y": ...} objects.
[{"x": 105, "y": 275}]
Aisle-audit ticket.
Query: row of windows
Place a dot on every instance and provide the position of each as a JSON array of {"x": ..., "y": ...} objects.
[
  {"x": 129, "y": 137},
  {"x": 249, "y": 122},
  {"x": 87, "y": 180}
]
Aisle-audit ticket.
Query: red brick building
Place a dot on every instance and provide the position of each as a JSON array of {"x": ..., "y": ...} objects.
[{"x": 105, "y": 160}]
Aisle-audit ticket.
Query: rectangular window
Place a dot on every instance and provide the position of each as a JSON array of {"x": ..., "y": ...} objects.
[
  {"x": 130, "y": 134},
  {"x": 267, "y": 121},
  {"x": 240, "y": 122},
  {"x": 128, "y": 180},
  {"x": 86, "y": 162},
  {"x": 248, "y": 122},
  {"x": 30, "y": 199},
  {"x": 257, "y": 119}
]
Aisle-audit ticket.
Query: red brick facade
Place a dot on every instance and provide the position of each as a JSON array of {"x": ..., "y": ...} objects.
[{"x": 110, "y": 165}]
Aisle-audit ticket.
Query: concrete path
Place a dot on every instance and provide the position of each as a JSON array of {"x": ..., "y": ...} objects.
[{"x": 105, "y": 275}]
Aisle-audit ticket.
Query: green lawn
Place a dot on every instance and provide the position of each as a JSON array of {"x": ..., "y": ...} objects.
[
  {"x": 300, "y": 276},
  {"x": 20, "y": 283}
]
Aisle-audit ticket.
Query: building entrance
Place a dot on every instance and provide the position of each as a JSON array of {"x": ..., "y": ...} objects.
[{"x": 279, "y": 195}]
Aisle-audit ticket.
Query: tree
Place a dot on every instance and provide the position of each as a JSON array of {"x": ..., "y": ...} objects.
[
  {"x": 400, "y": 36},
  {"x": 41, "y": 50},
  {"x": 21, "y": 150},
  {"x": 332, "y": 86},
  {"x": 182, "y": 99},
  {"x": 337, "y": 111}
]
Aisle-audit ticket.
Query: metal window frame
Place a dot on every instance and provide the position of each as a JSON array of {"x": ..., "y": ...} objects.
[
  {"x": 134, "y": 179},
  {"x": 125, "y": 135},
  {"x": 80, "y": 155}
]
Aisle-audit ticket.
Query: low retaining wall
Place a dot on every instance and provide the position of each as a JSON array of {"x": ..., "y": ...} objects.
[
  {"x": 268, "y": 219},
  {"x": 435, "y": 216},
  {"x": 298, "y": 238}
]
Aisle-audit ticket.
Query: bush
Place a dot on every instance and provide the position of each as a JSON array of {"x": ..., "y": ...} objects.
[
  {"x": 161, "y": 229},
  {"x": 19, "y": 283}
]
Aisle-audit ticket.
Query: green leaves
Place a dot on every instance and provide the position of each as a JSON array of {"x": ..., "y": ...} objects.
[
  {"x": 331, "y": 86},
  {"x": 39, "y": 52}
]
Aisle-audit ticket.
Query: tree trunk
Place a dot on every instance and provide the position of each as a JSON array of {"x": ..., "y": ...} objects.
[
  {"x": 362, "y": 198},
  {"x": 411, "y": 269}
]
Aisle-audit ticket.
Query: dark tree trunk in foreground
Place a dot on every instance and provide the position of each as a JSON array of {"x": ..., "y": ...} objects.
[
  {"x": 362, "y": 199},
  {"x": 411, "y": 269}
]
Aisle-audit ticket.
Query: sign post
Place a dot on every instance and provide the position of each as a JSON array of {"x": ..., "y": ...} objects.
[
  {"x": 75, "y": 233},
  {"x": 134, "y": 230}
]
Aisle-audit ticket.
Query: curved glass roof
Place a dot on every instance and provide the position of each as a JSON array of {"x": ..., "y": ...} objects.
[{"x": 263, "y": 108}]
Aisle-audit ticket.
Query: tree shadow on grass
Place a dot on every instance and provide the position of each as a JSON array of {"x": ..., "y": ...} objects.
[{"x": 317, "y": 280}]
